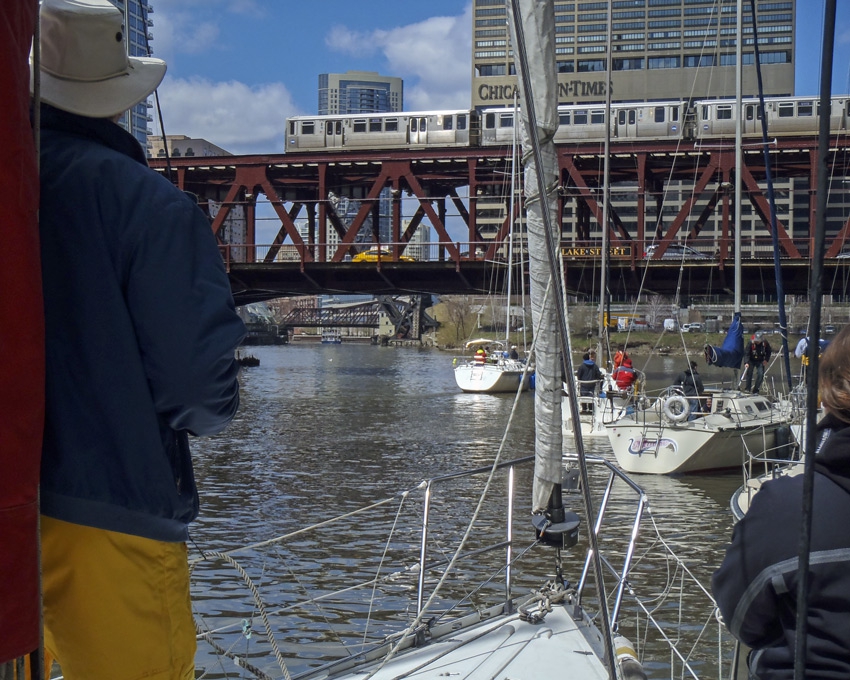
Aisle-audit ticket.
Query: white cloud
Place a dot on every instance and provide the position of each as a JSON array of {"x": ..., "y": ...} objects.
[
  {"x": 240, "y": 118},
  {"x": 432, "y": 56}
]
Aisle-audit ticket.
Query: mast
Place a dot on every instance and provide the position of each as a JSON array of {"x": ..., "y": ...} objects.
[
  {"x": 739, "y": 152},
  {"x": 606, "y": 199}
]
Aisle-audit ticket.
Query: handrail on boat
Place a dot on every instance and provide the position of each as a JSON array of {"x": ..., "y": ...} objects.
[{"x": 614, "y": 475}]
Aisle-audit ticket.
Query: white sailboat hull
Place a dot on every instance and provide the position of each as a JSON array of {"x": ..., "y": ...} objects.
[
  {"x": 504, "y": 376},
  {"x": 648, "y": 443}
]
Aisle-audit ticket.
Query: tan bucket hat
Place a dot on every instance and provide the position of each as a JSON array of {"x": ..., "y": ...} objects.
[{"x": 84, "y": 64}]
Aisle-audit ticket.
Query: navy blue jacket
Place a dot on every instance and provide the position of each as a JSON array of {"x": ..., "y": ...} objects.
[
  {"x": 756, "y": 586},
  {"x": 140, "y": 334}
]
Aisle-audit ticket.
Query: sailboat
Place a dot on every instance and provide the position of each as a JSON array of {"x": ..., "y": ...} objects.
[
  {"x": 671, "y": 437},
  {"x": 496, "y": 370}
]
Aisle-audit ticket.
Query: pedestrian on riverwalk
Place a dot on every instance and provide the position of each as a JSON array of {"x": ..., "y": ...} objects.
[
  {"x": 141, "y": 333},
  {"x": 756, "y": 585}
]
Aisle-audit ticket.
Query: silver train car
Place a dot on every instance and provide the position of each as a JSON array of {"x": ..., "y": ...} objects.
[
  {"x": 399, "y": 130},
  {"x": 698, "y": 121}
]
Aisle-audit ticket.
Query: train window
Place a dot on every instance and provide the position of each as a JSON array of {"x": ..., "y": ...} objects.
[
  {"x": 580, "y": 118},
  {"x": 359, "y": 125},
  {"x": 338, "y": 127},
  {"x": 423, "y": 124},
  {"x": 674, "y": 114},
  {"x": 461, "y": 121},
  {"x": 391, "y": 125},
  {"x": 374, "y": 125},
  {"x": 490, "y": 121},
  {"x": 705, "y": 114},
  {"x": 659, "y": 114},
  {"x": 564, "y": 118},
  {"x": 786, "y": 109},
  {"x": 632, "y": 117},
  {"x": 805, "y": 108},
  {"x": 413, "y": 125},
  {"x": 308, "y": 127},
  {"x": 621, "y": 117},
  {"x": 506, "y": 120},
  {"x": 447, "y": 123},
  {"x": 597, "y": 117},
  {"x": 724, "y": 112}
]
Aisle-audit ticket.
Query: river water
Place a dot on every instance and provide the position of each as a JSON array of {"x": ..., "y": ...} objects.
[{"x": 325, "y": 429}]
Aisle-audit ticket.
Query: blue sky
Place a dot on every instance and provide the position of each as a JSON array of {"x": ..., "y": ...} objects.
[{"x": 238, "y": 68}]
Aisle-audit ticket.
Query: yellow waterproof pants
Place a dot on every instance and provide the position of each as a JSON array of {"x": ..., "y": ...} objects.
[{"x": 116, "y": 606}]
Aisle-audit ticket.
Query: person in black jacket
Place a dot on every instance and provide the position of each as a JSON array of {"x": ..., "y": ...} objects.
[
  {"x": 758, "y": 356},
  {"x": 140, "y": 340},
  {"x": 589, "y": 377},
  {"x": 756, "y": 585},
  {"x": 691, "y": 385}
]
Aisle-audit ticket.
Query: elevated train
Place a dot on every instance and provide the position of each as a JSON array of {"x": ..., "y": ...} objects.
[{"x": 696, "y": 121}]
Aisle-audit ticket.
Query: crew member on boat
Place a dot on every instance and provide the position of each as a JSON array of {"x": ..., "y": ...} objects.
[
  {"x": 758, "y": 356},
  {"x": 690, "y": 382},
  {"x": 589, "y": 378},
  {"x": 801, "y": 351},
  {"x": 625, "y": 375},
  {"x": 756, "y": 585},
  {"x": 620, "y": 357},
  {"x": 513, "y": 353},
  {"x": 480, "y": 357}
]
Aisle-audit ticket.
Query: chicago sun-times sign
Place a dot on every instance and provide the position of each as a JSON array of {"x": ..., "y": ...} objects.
[{"x": 569, "y": 90}]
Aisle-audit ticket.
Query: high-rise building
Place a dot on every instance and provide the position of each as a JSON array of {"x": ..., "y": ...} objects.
[
  {"x": 362, "y": 92},
  {"x": 137, "y": 24},
  {"x": 359, "y": 92},
  {"x": 660, "y": 49}
]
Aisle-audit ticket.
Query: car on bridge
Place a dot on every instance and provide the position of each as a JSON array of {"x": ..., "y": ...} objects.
[
  {"x": 675, "y": 251},
  {"x": 383, "y": 254}
]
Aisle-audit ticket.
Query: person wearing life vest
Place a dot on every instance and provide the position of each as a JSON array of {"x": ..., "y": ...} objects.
[
  {"x": 619, "y": 358},
  {"x": 758, "y": 355},
  {"x": 690, "y": 382},
  {"x": 480, "y": 357},
  {"x": 624, "y": 375}
]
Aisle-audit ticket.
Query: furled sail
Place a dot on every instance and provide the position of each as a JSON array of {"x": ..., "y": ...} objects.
[
  {"x": 731, "y": 352},
  {"x": 538, "y": 21}
]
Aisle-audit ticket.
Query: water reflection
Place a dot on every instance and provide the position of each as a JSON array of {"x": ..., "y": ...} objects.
[{"x": 327, "y": 429}]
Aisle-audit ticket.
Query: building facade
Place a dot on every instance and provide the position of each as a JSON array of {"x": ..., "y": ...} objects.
[
  {"x": 359, "y": 92},
  {"x": 660, "y": 50},
  {"x": 137, "y": 25}
]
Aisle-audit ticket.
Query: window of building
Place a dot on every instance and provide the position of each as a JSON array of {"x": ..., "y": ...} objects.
[
  {"x": 697, "y": 60},
  {"x": 666, "y": 23},
  {"x": 592, "y": 28},
  {"x": 490, "y": 69},
  {"x": 490, "y": 43},
  {"x": 664, "y": 62},
  {"x": 628, "y": 3},
  {"x": 490, "y": 55},
  {"x": 592, "y": 49},
  {"x": 592, "y": 38},
  {"x": 665, "y": 46},
  {"x": 566, "y": 66},
  {"x": 662, "y": 35},
  {"x": 628, "y": 15},
  {"x": 630, "y": 36},
  {"x": 588, "y": 65},
  {"x": 564, "y": 29},
  {"x": 628, "y": 26},
  {"x": 189, "y": 151},
  {"x": 633, "y": 64}
]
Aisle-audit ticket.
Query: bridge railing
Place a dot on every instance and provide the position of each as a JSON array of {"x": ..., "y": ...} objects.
[{"x": 634, "y": 252}]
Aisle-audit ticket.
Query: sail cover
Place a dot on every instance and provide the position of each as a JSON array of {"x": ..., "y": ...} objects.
[
  {"x": 731, "y": 352},
  {"x": 21, "y": 340},
  {"x": 537, "y": 29}
]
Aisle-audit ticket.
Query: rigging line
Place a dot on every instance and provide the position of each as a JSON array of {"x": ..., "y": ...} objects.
[
  {"x": 144, "y": 10},
  {"x": 449, "y": 568},
  {"x": 780, "y": 289}
]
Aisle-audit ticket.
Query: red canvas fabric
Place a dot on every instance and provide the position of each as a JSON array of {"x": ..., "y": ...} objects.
[{"x": 21, "y": 340}]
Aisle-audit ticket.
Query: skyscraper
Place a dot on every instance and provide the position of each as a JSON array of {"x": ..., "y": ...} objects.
[
  {"x": 137, "y": 26},
  {"x": 660, "y": 49},
  {"x": 359, "y": 92}
]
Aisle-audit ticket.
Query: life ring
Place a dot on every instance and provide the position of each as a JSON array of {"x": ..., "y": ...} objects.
[{"x": 676, "y": 409}]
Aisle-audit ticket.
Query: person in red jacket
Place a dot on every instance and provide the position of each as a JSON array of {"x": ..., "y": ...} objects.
[{"x": 625, "y": 375}]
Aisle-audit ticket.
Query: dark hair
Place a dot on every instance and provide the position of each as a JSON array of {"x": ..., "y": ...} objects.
[
  {"x": 834, "y": 376},
  {"x": 586, "y": 356},
  {"x": 693, "y": 364}
]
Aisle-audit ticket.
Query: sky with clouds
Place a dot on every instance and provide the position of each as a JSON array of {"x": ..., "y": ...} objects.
[{"x": 238, "y": 68}]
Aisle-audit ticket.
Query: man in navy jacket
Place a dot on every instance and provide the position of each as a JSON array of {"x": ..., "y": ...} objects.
[{"x": 140, "y": 337}]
